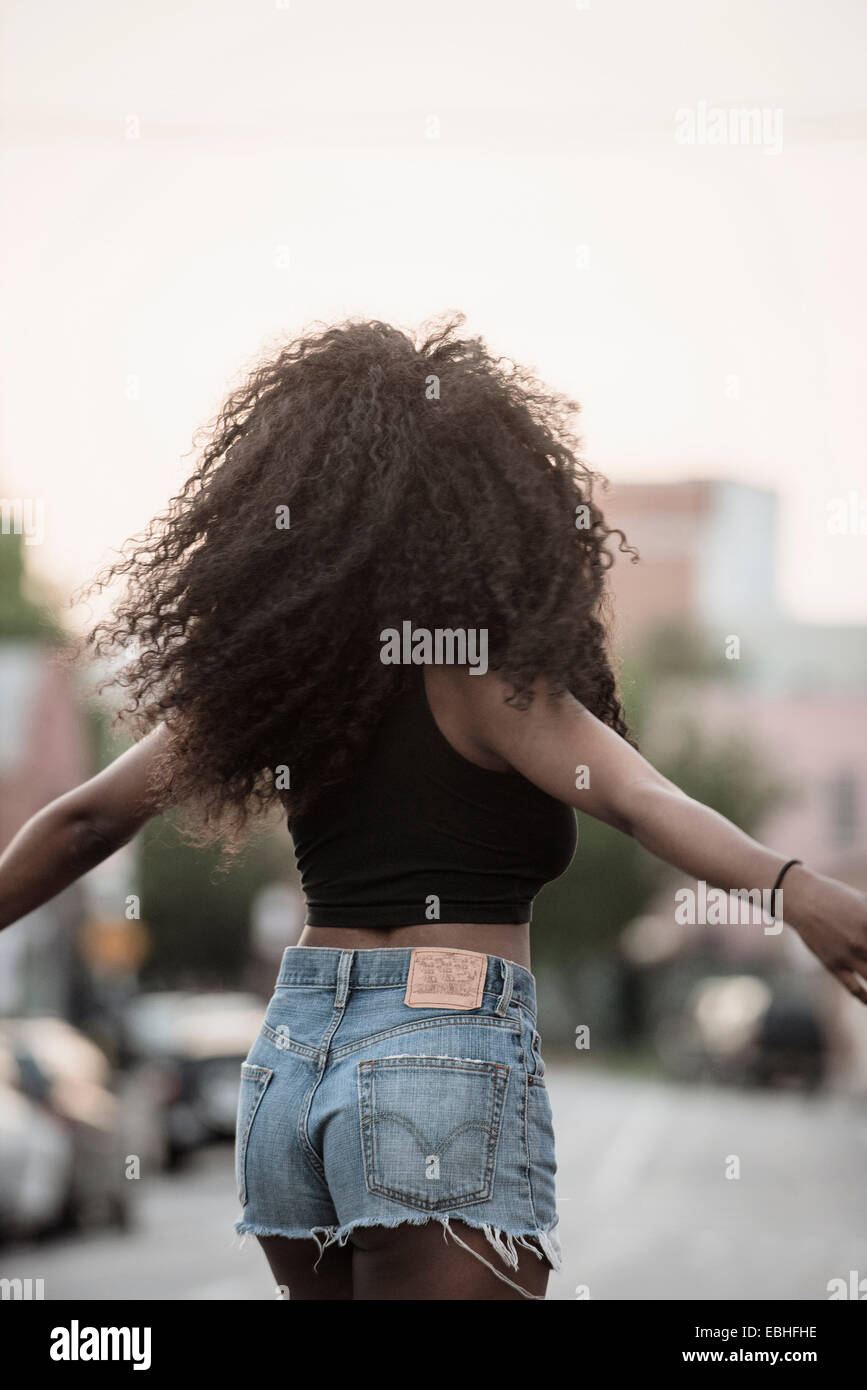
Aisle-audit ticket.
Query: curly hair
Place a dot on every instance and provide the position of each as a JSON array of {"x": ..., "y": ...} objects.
[{"x": 354, "y": 481}]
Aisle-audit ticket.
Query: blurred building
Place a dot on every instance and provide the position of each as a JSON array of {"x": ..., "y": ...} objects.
[
  {"x": 43, "y": 738},
  {"x": 794, "y": 692},
  {"x": 708, "y": 565},
  {"x": 44, "y": 751},
  {"x": 708, "y": 551}
]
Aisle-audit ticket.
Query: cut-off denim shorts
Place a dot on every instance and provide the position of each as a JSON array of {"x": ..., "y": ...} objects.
[{"x": 358, "y": 1108}]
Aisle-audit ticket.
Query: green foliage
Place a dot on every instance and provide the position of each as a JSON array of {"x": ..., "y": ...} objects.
[
  {"x": 106, "y": 743},
  {"x": 678, "y": 649},
  {"x": 198, "y": 915},
  {"x": 612, "y": 879},
  {"x": 609, "y": 881},
  {"x": 20, "y": 617},
  {"x": 729, "y": 775}
]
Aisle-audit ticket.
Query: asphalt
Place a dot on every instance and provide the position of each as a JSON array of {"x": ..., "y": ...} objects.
[{"x": 649, "y": 1206}]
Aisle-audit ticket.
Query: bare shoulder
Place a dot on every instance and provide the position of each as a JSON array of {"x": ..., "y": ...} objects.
[
  {"x": 546, "y": 740},
  {"x": 461, "y": 715},
  {"x": 483, "y": 707},
  {"x": 489, "y": 692}
]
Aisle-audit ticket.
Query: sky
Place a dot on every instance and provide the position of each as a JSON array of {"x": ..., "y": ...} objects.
[{"x": 186, "y": 185}]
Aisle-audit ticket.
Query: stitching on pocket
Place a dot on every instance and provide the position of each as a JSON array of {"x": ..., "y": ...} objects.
[
  {"x": 258, "y": 1079},
  {"x": 388, "y": 1113},
  {"x": 284, "y": 1044},
  {"x": 541, "y": 1154},
  {"x": 507, "y": 1025},
  {"x": 536, "y": 1055}
]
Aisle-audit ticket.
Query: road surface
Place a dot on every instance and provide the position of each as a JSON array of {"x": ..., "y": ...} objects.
[{"x": 646, "y": 1207}]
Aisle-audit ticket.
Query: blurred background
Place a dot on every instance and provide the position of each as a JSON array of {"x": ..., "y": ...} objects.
[{"x": 661, "y": 210}]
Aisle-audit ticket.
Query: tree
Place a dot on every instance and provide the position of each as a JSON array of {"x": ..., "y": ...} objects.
[
  {"x": 21, "y": 617},
  {"x": 612, "y": 879},
  {"x": 197, "y": 914}
]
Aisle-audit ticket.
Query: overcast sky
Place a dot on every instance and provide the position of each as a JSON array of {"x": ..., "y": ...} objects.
[{"x": 186, "y": 183}]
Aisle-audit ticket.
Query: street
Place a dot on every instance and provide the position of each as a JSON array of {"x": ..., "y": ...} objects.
[{"x": 646, "y": 1207}]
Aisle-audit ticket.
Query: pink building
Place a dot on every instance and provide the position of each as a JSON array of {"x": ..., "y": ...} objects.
[
  {"x": 43, "y": 738},
  {"x": 43, "y": 753},
  {"x": 814, "y": 744},
  {"x": 708, "y": 553},
  {"x": 795, "y": 698}
]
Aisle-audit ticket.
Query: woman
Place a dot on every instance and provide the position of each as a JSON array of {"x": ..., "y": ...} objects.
[{"x": 378, "y": 605}]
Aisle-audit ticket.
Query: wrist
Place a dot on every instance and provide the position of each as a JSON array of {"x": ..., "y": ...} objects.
[{"x": 798, "y": 894}]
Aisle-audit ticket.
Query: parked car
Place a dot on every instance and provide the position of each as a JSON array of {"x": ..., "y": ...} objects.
[
  {"x": 36, "y": 1158},
  {"x": 70, "y": 1079},
  {"x": 789, "y": 1047},
  {"x": 194, "y": 1044},
  {"x": 748, "y": 1031}
]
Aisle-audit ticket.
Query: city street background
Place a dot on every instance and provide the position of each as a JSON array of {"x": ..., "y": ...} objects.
[
  {"x": 645, "y": 1208},
  {"x": 189, "y": 186}
]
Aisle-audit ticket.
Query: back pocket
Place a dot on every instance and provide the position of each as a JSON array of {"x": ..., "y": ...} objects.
[
  {"x": 254, "y": 1081},
  {"x": 430, "y": 1128}
]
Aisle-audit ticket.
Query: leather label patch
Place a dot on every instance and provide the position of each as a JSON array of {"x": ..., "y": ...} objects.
[{"x": 444, "y": 979}]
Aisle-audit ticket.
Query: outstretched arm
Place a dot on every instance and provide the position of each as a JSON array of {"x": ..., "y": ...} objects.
[
  {"x": 80, "y": 829},
  {"x": 556, "y": 736}
]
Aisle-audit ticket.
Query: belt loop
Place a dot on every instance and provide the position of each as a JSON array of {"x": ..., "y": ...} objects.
[
  {"x": 346, "y": 958},
  {"x": 506, "y": 996}
]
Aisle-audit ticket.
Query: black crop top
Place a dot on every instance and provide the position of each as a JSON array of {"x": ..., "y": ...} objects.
[{"x": 418, "y": 833}]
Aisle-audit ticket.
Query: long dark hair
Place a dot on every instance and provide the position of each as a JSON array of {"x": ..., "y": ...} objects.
[{"x": 356, "y": 480}]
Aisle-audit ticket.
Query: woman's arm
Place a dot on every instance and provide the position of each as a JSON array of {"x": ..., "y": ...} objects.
[
  {"x": 80, "y": 829},
  {"x": 552, "y": 741}
]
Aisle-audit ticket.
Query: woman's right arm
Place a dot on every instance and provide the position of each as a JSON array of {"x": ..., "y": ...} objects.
[{"x": 80, "y": 829}]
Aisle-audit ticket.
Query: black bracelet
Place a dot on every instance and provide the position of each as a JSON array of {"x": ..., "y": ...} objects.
[{"x": 783, "y": 870}]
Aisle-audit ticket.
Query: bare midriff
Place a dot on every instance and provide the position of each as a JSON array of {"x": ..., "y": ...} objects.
[{"x": 502, "y": 939}]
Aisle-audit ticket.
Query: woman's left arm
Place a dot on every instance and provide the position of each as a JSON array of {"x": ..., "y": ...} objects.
[{"x": 558, "y": 745}]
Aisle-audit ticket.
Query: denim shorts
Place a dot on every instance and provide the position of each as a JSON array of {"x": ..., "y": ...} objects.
[{"x": 394, "y": 1086}]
